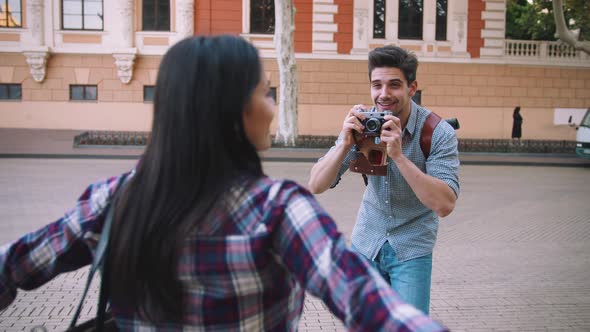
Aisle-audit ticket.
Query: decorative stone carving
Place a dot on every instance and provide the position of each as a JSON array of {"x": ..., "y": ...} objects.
[
  {"x": 460, "y": 20},
  {"x": 360, "y": 40},
  {"x": 360, "y": 16},
  {"x": 185, "y": 10},
  {"x": 124, "y": 63},
  {"x": 37, "y": 62},
  {"x": 35, "y": 12}
]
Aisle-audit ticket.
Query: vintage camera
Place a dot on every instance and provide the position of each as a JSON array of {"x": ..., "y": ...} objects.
[
  {"x": 371, "y": 155},
  {"x": 373, "y": 122}
]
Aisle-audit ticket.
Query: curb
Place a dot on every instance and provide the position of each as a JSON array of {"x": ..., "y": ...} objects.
[{"x": 312, "y": 155}]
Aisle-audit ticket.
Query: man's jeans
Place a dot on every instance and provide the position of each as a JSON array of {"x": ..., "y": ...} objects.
[{"x": 410, "y": 279}]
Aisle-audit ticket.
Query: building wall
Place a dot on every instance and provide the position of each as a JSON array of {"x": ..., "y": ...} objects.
[
  {"x": 226, "y": 17},
  {"x": 303, "y": 25},
  {"x": 46, "y": 105},
  {"x": 481, "y": 96},
  {"x": 343, "y": 36},
  {"x": 471, "y": 75},
  {"x": 475, "y": 24},
  {"x": 219, "y": 16}
]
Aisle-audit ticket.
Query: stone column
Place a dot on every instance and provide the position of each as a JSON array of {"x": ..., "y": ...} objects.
[
  {"x": 185, "y": 18},
  {"x": 391, "y": 21},
  {"x": 360, "y": 28},
  {"x": 125, "y": 10},
  {"x": 429, "y": 26},
  {"x": 35, "y": 11},
  {"x": 124, "y": 51},
  {"x": 35, "y": 50},
  {"x": 457, "y": 29}
]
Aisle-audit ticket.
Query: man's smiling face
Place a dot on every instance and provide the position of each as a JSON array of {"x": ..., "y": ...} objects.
[{"x": 390, "y": 90}]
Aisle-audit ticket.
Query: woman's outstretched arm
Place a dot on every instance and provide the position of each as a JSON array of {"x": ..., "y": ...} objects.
[
  {"x": 62, "y": 246},
  {"x": 315, "y": 252}
]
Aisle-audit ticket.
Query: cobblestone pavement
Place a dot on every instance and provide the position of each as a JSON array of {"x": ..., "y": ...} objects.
[{"x": 513, "y": 256}]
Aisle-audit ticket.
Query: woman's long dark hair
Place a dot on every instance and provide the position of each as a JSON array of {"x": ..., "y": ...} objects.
[{"x": 197, "y": 149}]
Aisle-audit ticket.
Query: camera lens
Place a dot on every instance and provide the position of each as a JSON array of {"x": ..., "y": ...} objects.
[{"x": 372, "y": 125}]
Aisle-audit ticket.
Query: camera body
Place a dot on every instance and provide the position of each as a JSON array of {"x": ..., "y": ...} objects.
[{"x": 373, "y": 122}]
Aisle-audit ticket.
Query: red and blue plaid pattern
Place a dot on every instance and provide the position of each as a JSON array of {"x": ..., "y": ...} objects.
[{"x": 246, "y": 269}]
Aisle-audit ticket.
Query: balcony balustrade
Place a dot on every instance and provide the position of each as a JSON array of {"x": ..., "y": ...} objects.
[{"x": 544, "y": 52}]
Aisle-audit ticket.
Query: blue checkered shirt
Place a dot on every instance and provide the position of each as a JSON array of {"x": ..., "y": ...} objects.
[{"x": 390, "y": 210}]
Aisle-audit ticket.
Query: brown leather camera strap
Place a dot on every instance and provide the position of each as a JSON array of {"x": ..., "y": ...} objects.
[{"x": 430, "y": 123}]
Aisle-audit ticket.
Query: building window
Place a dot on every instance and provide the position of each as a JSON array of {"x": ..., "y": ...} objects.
[
  {"x": 83, "y": 92},
  {"x": 441, "y": 19},
  {"x": 11, "y": 14},
  {"x": 410, "y": 19},
  {"x": 262, "y": 16},
  {"x": 155, "y": 15},
  {"x": 417, "y": 97},
  {"x": 272, "y": 92},
  {"x": 148, "y": 93},
  {"x": 82, "y": 15},
  {"x": 10, "y": 92},
  {"x": 379, "y": 19}
]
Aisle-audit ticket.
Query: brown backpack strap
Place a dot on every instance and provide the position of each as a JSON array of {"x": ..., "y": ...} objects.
[{"x": 431, "y": 122}]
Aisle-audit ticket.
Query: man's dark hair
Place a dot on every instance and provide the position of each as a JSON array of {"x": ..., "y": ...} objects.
[
  {"x": 197, "y": 150},
  {"x": 393, "y": 56}
]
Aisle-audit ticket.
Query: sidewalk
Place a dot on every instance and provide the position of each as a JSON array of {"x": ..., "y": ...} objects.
[
  {"x": 513, "y": 255},
  {"x": 58, "y": 144}
]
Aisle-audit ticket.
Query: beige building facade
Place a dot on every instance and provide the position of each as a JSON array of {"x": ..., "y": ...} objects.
[{"x": 92, "y": 64}]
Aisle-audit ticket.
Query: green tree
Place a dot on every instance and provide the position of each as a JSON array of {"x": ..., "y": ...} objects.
[
  {"x": 534, "y": 19},
  {"x": 567, "y": 36},
  {"x": 515, "y": 19},
  {"x": 579, "y": 10}
]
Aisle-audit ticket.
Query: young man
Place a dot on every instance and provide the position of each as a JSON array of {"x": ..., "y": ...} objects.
[{"x": 398, "y": 218}]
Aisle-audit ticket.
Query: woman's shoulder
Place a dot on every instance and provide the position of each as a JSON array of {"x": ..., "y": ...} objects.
[
  {"x": 278, "y": 190},
  {"x": 283, "y": 184},
  {"x": 100, "y": 192},
  {"x": 262, "y": 200}
]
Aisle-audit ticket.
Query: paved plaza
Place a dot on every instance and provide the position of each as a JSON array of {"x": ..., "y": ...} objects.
[{"x": 513, "y": 256}]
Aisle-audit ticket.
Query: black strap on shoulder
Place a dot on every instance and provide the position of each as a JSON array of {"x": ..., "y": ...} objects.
[{"x": 98, "y": 264}]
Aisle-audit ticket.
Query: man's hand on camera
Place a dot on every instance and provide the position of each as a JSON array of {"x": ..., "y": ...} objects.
[
  {"x": 352, "y": 122},
  {"x": 391, "y": 135}
]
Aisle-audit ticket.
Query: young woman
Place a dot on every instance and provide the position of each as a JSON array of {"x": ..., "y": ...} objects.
[{"x": 202, "y": 239}]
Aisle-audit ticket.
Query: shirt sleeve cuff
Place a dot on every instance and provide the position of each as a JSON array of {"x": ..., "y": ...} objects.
[{"x": 7, "y": 289}]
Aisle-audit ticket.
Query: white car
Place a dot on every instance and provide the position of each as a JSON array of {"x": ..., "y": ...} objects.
[{"x": 583, "y": 135}]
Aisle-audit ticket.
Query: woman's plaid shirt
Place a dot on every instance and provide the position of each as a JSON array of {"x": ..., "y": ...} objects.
[{"x": 247, "y": 269}]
